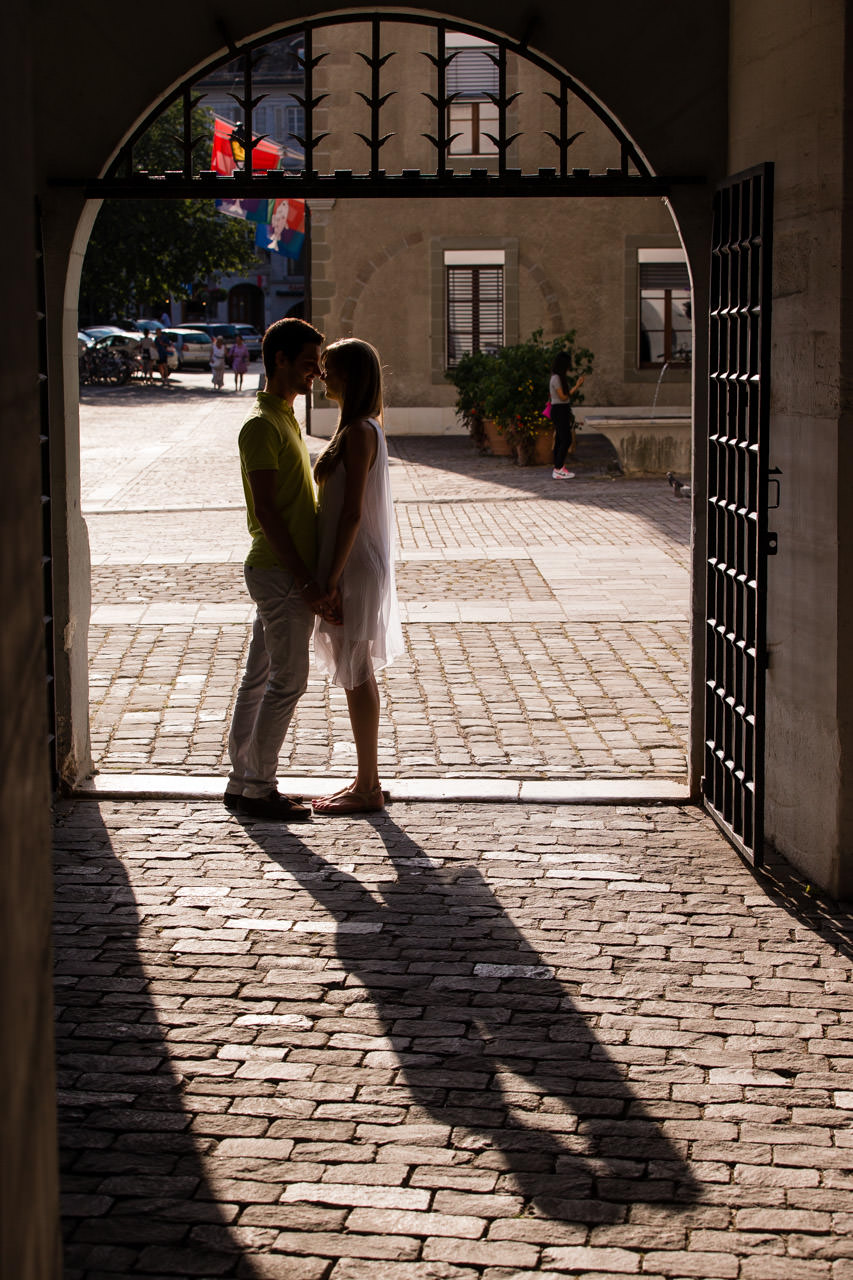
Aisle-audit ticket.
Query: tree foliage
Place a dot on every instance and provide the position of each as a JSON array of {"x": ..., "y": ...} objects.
[{"x": 142, "y": 252}]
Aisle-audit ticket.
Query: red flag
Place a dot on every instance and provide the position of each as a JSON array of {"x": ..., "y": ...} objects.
[{"x": 228, "y": 152}]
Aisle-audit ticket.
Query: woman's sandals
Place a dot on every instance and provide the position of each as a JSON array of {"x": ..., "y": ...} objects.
[{"x": 350, "y": 801}]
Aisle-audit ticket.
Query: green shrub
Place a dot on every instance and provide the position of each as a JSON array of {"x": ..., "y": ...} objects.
[{"x": 511, "y": 386}]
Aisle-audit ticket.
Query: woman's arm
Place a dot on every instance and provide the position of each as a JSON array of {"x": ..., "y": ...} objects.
[
  {"x": 359, "y": 455},
  {"x": 575, "y": 387}
]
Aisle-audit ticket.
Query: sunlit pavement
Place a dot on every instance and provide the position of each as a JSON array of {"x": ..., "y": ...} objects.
[
  {"x": 446, "y": 1042},
  {"x": 454, "y": 1039},
  {"x": 546, "y": 621}
]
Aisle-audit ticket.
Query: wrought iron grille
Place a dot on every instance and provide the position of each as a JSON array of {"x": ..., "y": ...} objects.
[
  {"x": 738, "y": 539},
  {"x": 46, "y": 514},
  {"x": 630, "y": 177}
]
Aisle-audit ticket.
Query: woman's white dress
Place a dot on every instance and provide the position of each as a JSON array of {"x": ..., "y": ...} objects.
[{"x": 371, "y": 636}]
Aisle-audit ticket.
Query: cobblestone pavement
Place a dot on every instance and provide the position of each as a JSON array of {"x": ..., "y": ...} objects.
[
  {"x": 545, "y": 621},
  {"x": 445, "y": 1043}
]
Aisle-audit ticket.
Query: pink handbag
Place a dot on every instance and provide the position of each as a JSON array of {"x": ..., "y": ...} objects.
[{"x": 546, "y": 412}]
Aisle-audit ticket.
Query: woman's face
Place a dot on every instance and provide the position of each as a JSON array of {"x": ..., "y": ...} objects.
[{"x": 333, "y": 380}]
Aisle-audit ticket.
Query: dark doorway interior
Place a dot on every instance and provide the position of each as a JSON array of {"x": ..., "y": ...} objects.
[{"x": 246, "y": 305}]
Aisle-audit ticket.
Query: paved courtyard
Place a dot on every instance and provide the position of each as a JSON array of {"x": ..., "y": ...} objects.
[
  {"x": 444, "y": 1043},
  {"x": 546, "y": 622},
  {"x": 449, "y": 1041}
]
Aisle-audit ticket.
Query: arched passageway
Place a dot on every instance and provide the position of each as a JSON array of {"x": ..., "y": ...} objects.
[{"x": 519, "y": 107}]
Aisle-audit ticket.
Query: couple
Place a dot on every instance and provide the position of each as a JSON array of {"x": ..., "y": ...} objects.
[{"x": 329, "y": 570}]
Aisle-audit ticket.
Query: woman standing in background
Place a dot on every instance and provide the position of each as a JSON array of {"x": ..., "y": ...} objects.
[{"x": 561, "y": 413}]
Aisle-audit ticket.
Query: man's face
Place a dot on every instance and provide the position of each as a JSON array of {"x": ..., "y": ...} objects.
[{"x": 302, "y": 371}]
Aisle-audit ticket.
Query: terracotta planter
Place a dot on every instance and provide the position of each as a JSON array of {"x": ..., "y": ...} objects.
[
  {"x": 538, "y": 452},
  {"x": 496, "y": 442}
]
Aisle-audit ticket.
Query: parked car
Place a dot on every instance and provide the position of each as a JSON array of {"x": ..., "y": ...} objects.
[
  {"x": 214, "y": 330},
  {"x": 192, "y": 346},
  {"x": 95, "y": 331},
  {"x": 128, "y": 343},
  {"x": 252, "y": 339},
  {"x": 142, "y": 324},
  {"x": 84, "y": 340}
]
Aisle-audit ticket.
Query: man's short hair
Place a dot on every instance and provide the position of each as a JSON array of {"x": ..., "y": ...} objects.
[{"x": 288, "y": 336}]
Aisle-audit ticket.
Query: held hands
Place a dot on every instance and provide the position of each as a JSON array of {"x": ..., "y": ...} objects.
[
  {"x": 333, "y": 613},
  {"x": 326, "y": 603}
]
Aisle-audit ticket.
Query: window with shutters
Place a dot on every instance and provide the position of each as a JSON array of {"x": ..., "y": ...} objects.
[
  {"x": 665, "y": 311},
  {"x": 475, "y": 302},
  {"x": 472, "y": 75}
]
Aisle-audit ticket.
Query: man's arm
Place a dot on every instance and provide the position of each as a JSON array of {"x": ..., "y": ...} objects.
[{"x": 277, "y": 534}]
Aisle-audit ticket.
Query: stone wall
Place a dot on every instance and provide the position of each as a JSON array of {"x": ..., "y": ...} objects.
[
  {"x": 28, "y": 1180},
  {"x": 788, "y": 83},
  {"x": 377, "y": 265},
  {"x": 378, "y": 273}
]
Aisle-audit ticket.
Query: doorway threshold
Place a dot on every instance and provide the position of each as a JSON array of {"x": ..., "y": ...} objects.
[{"x": 612, "y": 791}]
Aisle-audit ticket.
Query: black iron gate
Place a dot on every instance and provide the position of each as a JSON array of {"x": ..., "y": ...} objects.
[{"x": 738, "y": 539}]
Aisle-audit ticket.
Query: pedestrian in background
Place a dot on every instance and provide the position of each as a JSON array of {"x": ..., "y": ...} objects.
[
  {"x": 147, "y": 354},
  {"x": 162, "y": 347},
  {"x": 217, "y": 362},
  {"x": 239, "y": 361},
  {"x": 562, "y": 416}
]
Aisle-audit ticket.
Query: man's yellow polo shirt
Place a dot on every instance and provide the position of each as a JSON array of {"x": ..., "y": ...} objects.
[{"x": 270, "y": 440}]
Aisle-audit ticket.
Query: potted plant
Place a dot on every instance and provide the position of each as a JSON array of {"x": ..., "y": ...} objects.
[
  {"x": 510, "y": 388},
  {"x": 518, "y": 391},
  {"x": 469, "y": 376}
]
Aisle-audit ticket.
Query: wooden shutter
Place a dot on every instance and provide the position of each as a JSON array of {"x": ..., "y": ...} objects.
[{"x": 475, "y": 310}]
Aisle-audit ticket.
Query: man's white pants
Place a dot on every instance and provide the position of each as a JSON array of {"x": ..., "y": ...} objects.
[{"x": 275, "y": 679}]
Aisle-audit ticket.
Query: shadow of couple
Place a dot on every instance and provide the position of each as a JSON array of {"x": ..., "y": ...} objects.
[
  {"x": 442, "y": 1014},
  {"x": 487, "y": 1042}
]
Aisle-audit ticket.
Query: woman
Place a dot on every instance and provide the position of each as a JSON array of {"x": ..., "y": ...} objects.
[
  {"x": 562, "y": 416},
  {"x": 361, "y": 633},
  {"x": 239, "y": 360},
  {"x": 217, "y": 362}
]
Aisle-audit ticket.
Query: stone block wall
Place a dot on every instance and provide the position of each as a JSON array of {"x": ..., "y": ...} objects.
[
  {"x": 28, "y": 1178},
  {"x": 789, "y": 83}
]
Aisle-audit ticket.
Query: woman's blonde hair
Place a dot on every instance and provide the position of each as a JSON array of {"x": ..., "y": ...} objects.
[{"x": 360, "y": 370}]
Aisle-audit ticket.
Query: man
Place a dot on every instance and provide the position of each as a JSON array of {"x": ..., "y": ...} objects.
[{"x": 282, "y": 515}]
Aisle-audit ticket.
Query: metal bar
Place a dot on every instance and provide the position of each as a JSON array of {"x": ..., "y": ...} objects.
[
  {"x": 299, "y": 186},
  {"x": 308, "y": 306},
  {"x": 375, "y": 92},
  {"x": 46, "y": 507},
  {"x": 308, "y": 127},
  {"x": 249, "y": 138},
  {"x": 441, "y": 130},
  {"x": 502, "y": 130},
  {"x": 188, "y": 133}
]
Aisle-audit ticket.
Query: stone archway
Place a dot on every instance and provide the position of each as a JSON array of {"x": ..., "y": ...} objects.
[{"x": 631, "y": 170}]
